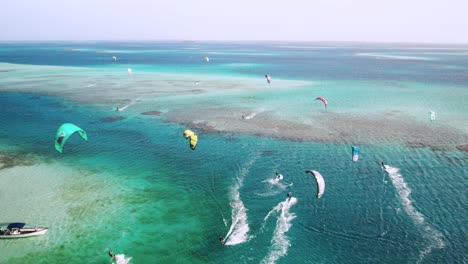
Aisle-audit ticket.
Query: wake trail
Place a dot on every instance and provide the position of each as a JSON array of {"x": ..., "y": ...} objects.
[
  {"x": 280, "y": 242},
  {"x": 217, "y": 202},
  {"x": 120, "y": 259},
  {"x": 381, "y": 214},
  {"x": 129, "y": 104},
  {"x": 418, "y": 218},
  {"x": 252, "y": 115},
  {"x": 276, "y": 186},
  {"x": 239, "y": 229}
]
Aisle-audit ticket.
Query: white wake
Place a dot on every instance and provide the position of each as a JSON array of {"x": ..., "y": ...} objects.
[
  {"x": 404, "y": 192},
  {"x": 238, "y": 232},
  {"x": 252, "y": 115},
  {"x": 276, "y": 186},
  {"x": 129, "y": 104},
  {"x": 120, "y": 259},
  {"x": 280, "y": 242}
]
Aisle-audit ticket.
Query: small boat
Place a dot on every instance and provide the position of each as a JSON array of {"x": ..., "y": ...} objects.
[{"x": 17, "y": 230}]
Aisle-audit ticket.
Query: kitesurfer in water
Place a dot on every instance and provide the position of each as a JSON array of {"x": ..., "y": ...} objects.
[
  {"x": 278, "y": 176},
  {"x": 383, "y": 165},
  {"x": 289, "y": 195},
  {"x": 111, "y": 254},
  {"x": 221, "y": 240}
]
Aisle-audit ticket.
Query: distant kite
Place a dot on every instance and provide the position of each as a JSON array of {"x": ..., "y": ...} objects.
[
  {"x": 433, "y": 117},
  {"x": 323, "y": 100},
  {"x": 355, "y": 153}
]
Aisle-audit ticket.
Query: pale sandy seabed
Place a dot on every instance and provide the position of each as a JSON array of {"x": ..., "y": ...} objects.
[
  {"x": 42, "y": 193},
  {"x": 197, "y": 101}
]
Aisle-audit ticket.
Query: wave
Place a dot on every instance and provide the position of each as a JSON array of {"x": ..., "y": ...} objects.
[
  {"x": 404, "y": 192},
  {"x": 280, "y": 242},
  {"x": 394, "y": 57},
  {"x": 239, "y": 229}
]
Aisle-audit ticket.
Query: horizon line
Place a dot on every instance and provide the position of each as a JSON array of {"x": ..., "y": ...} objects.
[{"x": 239, "y": 41}]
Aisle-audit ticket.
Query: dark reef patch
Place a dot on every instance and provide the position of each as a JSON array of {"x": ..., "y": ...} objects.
[
  {"x": 463, "y": 147},
  {"x": 157, "y": 113},
  {"x": 110, "y": 119},
  {"x": 13, "y": 159}
]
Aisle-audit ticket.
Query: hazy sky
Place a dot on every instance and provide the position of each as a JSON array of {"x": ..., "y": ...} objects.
[{"x": 442, "y": 21}]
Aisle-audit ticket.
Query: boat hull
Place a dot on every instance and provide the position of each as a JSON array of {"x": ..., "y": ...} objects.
[{"x": 25, "y": 232}]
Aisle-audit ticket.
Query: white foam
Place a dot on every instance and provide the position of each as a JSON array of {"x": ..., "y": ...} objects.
[
  {"x": 392, "y": 57},
  {"x": 120, "y": 259},
  {"x": 238, "y": 232},
  {"x": 276, "y": 182},
  {"x": 252, "y": 115},
  {"x": 276, "y": 186},
  {"x": 280, "y": 242},
  {"x": 129, "y": 104},
  {"x": 404, "y": 192}
]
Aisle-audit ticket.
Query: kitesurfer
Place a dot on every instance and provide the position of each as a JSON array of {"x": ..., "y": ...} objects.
[
  {"x": 289, "y": 195},
  {"x": 279, "y": 176},
  {"x": 111, "y": 255},
  {"x": 221, "y": 240},
  {"x": 383, "y": 165}
]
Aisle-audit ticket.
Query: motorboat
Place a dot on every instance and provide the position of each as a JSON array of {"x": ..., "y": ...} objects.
[{"x": 17, "y": 230}]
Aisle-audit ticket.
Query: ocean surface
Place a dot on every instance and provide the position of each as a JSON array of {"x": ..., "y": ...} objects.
[{"x": 136, "y": 187}]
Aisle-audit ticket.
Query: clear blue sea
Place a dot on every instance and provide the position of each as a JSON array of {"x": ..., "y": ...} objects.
[{"x": 138, "y": 189}]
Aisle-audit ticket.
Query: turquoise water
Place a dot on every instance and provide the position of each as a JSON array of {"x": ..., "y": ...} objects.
[{"x": 136, "y": 187}]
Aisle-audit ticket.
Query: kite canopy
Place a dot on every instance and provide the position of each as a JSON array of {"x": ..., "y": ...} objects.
[
  {"x": 355, "y": 151},
  {"x": 114, "y": 58},
  {"x": 323, "y": 100},
  {"x": 193, "y": 138},
  {"x": 433, "y": 116},
  {"x": 320, "y": 182},
  {"x": 64, "y": 132},
  {"x": 207, "y": 59}
]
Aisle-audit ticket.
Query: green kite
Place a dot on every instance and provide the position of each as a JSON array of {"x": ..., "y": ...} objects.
[{"x": 64, "y": 132}]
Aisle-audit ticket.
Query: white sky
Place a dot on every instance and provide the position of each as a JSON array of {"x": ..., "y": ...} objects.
[{"x": 442, "y": 21}]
